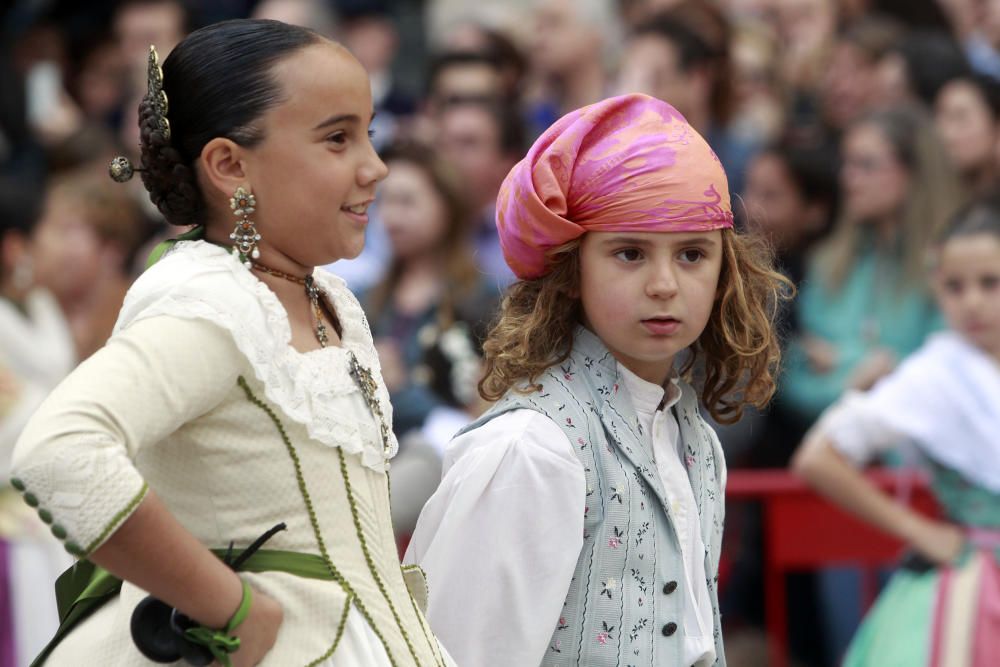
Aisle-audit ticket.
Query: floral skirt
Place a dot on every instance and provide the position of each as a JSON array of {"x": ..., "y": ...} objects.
[{"x": 937, "y": 617}]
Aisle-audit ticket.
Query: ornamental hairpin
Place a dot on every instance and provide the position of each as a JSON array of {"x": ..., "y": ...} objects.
[
  {"x": 121, "y": 168},
  {"x": 157, "y": 97}
]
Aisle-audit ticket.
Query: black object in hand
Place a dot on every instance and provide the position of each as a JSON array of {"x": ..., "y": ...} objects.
[{"x": 158, "y": 629}]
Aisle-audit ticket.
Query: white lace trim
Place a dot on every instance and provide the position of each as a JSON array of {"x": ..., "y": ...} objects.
[{"x": 306, "y": 386}]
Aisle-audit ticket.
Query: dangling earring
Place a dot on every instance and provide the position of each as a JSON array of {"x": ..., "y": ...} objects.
[{"x": 245, "y": 235}]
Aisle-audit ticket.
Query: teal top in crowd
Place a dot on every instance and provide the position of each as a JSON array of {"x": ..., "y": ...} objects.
[{"x": 870, "y": 310}]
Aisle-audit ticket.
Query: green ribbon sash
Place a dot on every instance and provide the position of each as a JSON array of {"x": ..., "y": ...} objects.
[{"x": 84, "y": 588}]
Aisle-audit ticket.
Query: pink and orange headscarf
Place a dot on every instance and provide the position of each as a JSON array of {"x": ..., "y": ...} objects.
[{"x": 628, "y": 163}]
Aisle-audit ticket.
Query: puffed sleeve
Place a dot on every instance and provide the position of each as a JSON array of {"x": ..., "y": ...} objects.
[
  {"x": 74, "y": 461},
  {"x": 858, "y": 429},
  {"x": 500, "y": 539}
]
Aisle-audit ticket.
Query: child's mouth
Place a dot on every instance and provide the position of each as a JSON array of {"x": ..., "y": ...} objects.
[{"x": 661, "y": 326}]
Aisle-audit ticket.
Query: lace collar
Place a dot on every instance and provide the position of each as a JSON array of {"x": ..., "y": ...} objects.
[{"x": 196, "y": 279}]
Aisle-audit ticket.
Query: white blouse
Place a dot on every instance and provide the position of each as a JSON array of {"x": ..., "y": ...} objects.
[
  {"x": 500, "y": 539},
  {"x": 944, "y": 399}
]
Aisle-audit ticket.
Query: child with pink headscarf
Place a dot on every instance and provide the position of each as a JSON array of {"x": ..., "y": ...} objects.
[{"x": 579, "y": 521}]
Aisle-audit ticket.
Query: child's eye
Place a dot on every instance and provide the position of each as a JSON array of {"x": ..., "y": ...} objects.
[
  {"x": 990, "y": 282},
  {"x": 692, "y": 255},
  {"x": 338, "y": 138},
  {"x": 629, "y": 254},
  {"x": 953, "y": 286},
  {"x": 371, "y": 133}
]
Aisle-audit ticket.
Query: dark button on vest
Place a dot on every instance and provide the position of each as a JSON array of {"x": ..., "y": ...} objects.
[
  {"x": 669, "y": 587},
  {"x": 669, "y": 629}
]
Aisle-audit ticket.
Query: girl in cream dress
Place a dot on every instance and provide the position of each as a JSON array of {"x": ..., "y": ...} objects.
[{"x": 241, "y": 389}]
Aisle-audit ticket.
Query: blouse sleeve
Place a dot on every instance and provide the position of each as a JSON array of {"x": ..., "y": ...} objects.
[
  {"x": 74, "y": 461},
  {"x": 500, "y": 539},
  {"x": 858, "y": 429}
]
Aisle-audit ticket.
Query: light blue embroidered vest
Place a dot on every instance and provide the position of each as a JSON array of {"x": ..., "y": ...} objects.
[{"x": 626, "y": 603}]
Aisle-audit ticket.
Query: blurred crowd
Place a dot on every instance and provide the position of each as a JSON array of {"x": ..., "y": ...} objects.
[{"x": 850, "y": 130}]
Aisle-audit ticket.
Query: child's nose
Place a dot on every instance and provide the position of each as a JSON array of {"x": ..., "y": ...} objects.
[{"x": 662, "y": 282}]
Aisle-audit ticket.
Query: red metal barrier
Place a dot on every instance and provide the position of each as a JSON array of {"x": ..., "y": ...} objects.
[{"x": 803, "y": 531}]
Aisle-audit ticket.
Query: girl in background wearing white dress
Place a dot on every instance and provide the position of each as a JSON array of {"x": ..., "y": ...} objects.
[{"x": 942, "y": 607}]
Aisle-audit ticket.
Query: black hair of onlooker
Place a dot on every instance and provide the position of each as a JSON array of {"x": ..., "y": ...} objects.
[
  {"x": 507, "y": 55},
  {"x": 20, "y": 208},
  {"x": 700, "y": 35},
  {"x": 355, "y": 10},
  {"x": 987, "y": 87},
  {"x": 933, "y": 58},
  {"x": 20, "y": 205},
  {"x": 442, "y": 61},
  {"x": 813, "y": 169},
  {"x": 693, "y": 51}
]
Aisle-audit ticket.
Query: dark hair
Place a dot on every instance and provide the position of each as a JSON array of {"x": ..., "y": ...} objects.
[
  {"x": 446, "y": 59},
  {"x": 813, "y": 170},
  {"x": 701, "y": 36},
  {"x": 979, "y": 216},
  {"x": 20, "y": 209},
  {"x": 692, "y": 50},
  {"x": 508, "y": 57},
  {"x": 933, "y": 58},
  {"x": 218, "y": 82},
  {"x": 988, "y": 89},
  {"x": 875, "y": 35}
]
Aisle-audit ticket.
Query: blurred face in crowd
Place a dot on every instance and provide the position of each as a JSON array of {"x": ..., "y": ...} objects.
[
  {"x": 413, "y": 211},
  {"x": 891, "y": 86},
  {"x": 651, "y": 65},
  {"x": 562, "y": 40},
  {"x": 967, "y": 283},
  {"x": 775, "y": 204},
  {"x": 467, "y": 80},
  {"x": 849, "y": 85},
  {"x": 69, "y": 255},
  {"x": 872, "y": 178},
  {"x": 991, "y": 21},
  {"x": 470, "y": 139},
  {"x": 966, "y": 125},
  {"x": 100, "y": 84},
  {"x": 804, "y": 26},
  {"x": 753, "y": 67},
  {"x": 139, "y": 25},
  {"x": 372, "y": 40}
]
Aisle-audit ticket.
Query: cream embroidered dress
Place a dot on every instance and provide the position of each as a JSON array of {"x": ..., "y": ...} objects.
[{"x": 200, "y": 397}]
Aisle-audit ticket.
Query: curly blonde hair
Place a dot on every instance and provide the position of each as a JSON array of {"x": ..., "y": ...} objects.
[{"x": 737, "y": 354}]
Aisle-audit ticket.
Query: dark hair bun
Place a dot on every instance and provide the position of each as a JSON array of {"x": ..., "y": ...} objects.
[{"x": 168, "y": 178}]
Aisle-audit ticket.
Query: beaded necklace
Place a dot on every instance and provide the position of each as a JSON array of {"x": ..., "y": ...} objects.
[
  {"x": 362, "y": 376},
  {"x": 311, "y": 291}
]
